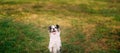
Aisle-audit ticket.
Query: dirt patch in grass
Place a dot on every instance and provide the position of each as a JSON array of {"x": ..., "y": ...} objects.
[{"x": 88, "y": 30}]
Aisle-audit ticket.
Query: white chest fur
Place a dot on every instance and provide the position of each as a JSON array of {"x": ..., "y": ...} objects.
[{"x": 55, "y": 41}]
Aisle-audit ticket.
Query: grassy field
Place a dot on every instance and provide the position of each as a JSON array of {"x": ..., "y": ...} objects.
[{"x": 87, "y": 26}]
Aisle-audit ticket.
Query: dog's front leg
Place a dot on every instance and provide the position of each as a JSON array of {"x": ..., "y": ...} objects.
[{"x": 51, "y": 49}]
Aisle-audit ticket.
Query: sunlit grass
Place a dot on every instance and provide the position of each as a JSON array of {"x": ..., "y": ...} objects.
[{"x": 86, "y": 26}]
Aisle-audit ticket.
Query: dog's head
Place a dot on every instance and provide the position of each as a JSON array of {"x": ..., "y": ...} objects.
[{"x": 54, "y": 28}]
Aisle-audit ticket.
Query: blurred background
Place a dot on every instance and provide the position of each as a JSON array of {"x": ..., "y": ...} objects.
[{"x": 87, "y": 26}]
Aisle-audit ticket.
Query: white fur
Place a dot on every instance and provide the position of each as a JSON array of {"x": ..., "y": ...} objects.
[{"x": 55, "y": 42}]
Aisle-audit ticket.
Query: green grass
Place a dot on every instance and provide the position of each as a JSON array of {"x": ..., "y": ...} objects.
[
  {"x": 18, "y": 37},
  {"x": 86, "y": 26}
]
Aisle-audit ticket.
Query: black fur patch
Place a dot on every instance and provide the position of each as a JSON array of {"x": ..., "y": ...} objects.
[
  {"x": 49, "y": 28},
  {"x": 57, "y": 26}
]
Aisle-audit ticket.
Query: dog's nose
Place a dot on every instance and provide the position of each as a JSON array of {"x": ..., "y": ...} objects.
[{"x": 53, "y": 29}]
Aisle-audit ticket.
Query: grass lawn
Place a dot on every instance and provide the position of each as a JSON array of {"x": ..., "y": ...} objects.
[{"x": 87, "y": 26}]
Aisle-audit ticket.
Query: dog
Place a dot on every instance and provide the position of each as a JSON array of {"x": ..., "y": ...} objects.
[{"x": 55, "y": 41}]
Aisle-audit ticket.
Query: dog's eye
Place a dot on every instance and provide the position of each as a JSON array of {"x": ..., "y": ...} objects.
[{"x": 56, "y": 27}]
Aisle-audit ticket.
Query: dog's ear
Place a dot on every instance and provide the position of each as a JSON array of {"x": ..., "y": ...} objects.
[
  {"x": 57, "y": 26},
  {"x": 49, "y": 28}
]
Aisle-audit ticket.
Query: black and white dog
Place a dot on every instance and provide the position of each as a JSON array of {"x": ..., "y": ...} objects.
[{"x": 55, "y": 41}]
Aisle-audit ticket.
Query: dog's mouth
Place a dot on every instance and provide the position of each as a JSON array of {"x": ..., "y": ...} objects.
[{"x": 54, "y": 31}]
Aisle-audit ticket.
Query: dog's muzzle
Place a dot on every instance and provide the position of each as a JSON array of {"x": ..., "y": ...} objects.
[{"x": 54, "y": 32}]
